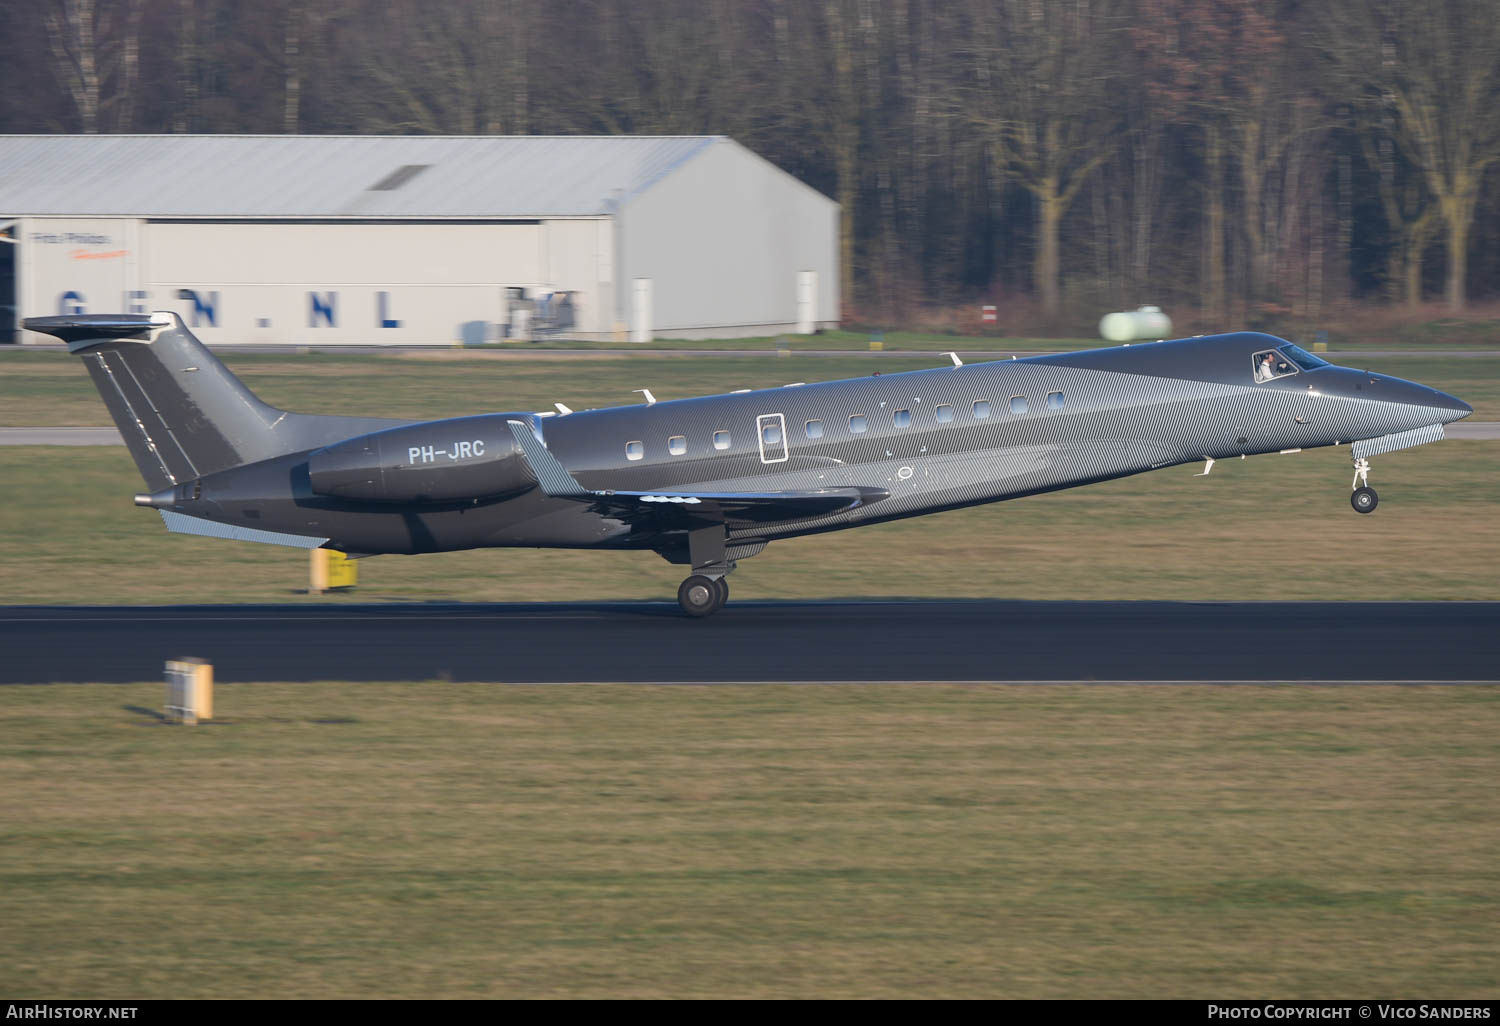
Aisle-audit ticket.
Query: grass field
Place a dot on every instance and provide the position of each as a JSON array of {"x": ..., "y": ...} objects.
[
  {"x": 1423, "y": 336},
  {"x": 50, "y": 388},
  {"x": 68, "y": 534},
  {"x": 1375, "y": 330},
  {"x": 850, "y": 341},
  {"x": 444, "y": 840}
]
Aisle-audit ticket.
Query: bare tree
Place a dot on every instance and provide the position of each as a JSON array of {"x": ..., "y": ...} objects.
[
  {"x": 1044, "y": 98},
  {"x": 1217, "y": 66},
  {"x": 845, "y": 117},
  {"x": 302, "y": 23},
  {"x": 190, "y": 61},
  {"x": 1127, "y": 194},
  {"x": 1180, "y": 148},
  {"x": 442, "y": 69},
  {"x": 1410, "y": 214},
  {"x": 1434, "y": 68},
  {"x": 96, "y": 57}
]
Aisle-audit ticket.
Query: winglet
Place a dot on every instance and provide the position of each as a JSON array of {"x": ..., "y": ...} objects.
[{"x": 550, "y": 474}]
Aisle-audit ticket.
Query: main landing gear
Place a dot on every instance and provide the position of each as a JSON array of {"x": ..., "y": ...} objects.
[
  {"x": 1364, "y": 499},
  {"x": 701, "y": 595},
  {"x": 706, "y": 591}
]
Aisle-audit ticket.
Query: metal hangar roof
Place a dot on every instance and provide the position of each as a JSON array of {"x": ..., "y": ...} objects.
[{"x": 309, "y": 176}]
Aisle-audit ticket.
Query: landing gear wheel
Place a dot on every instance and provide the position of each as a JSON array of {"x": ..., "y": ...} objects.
[
  {"x": 701, "y": 596},
  {"x": 722, "y": 583},
  {"x": 1364, "y": 500}
]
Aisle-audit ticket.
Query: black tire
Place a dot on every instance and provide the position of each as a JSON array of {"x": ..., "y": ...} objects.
[
  {"x": 722, "y": 583},
  {"x": 1364, "y": 500},
  {"x": 698, "y": 596}
]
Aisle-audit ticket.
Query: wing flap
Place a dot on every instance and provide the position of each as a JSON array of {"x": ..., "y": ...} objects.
[{"x": 733, "y": 508}]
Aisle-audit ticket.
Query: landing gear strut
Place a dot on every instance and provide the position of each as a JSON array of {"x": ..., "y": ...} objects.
[
  {"x": 1364, "y": 499},
  {"x": 705, "y": 593}
]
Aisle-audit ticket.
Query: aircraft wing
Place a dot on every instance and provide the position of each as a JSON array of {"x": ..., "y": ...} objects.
[{"x": 732, "y": 508}]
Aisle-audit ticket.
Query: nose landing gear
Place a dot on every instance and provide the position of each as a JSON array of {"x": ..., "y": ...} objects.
[{"x": 1364, "y": 499}]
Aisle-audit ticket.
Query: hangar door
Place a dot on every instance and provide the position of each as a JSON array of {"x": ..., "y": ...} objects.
[{"x": 7, "y": 281}]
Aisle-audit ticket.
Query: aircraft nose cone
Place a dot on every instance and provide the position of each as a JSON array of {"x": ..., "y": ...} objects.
[
  {"x": 1460, "y": 407},
  {"x": 1447, "y": 408},
  {"x": 1452, "y": 406}
]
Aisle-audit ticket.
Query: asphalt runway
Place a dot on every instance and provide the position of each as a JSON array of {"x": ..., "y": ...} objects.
[{"x": 979, "y": 640}]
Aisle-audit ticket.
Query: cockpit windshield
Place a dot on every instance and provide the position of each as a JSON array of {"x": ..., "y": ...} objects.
[
  {"x": 1271, "y": 364},
  {"x": 1302, "y": 358}
]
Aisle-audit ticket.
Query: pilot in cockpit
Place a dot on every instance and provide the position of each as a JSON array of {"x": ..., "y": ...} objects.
[{"x": 1265, "y": 370}]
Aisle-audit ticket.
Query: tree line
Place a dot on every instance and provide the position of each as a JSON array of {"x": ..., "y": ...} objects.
[{"x": 1252, "y": 160}]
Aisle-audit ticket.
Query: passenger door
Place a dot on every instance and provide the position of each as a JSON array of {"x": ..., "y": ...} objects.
[{"x": 770, "y": 432}]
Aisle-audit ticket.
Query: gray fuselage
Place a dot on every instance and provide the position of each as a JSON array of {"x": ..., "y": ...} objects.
[{"x": 933, "y": 439}]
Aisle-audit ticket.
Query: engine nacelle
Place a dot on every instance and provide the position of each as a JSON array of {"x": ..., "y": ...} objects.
[{"x": 441, "y": 461}]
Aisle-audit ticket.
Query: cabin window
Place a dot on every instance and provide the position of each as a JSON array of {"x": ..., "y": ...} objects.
[
  {"x": 771, "y": 434},
  {"x": 943, "y": 414},
  {"x": 815, "y": 429},
  {"x": 858, "y": 424},
  {"x": 1271, "y": 364},
  {"x": 981, "y": 409},
  {"x": 677, "y": 445},
  {"x": 1054, "y": 400},
  {"x": 721, "y": 439},
  {"x": 901, "y": 418},
  {"x": 634, "y": 450},
  {"x": 1018, "y": 404}
]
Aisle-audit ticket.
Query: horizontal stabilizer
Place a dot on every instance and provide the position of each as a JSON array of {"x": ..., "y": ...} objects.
[
  {"x": 733, "y": 508},
  {"x": 82, "y": 331}
]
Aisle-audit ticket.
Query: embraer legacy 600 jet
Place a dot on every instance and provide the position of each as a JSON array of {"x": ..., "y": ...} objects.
[{"x": 708, "y": 481}]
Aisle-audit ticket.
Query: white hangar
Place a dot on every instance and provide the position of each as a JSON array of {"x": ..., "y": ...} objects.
[{"x": 415, "y": 239}]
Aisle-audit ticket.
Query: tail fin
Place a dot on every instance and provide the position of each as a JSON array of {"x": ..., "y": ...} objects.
[{"x": 182, "y": 413}]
